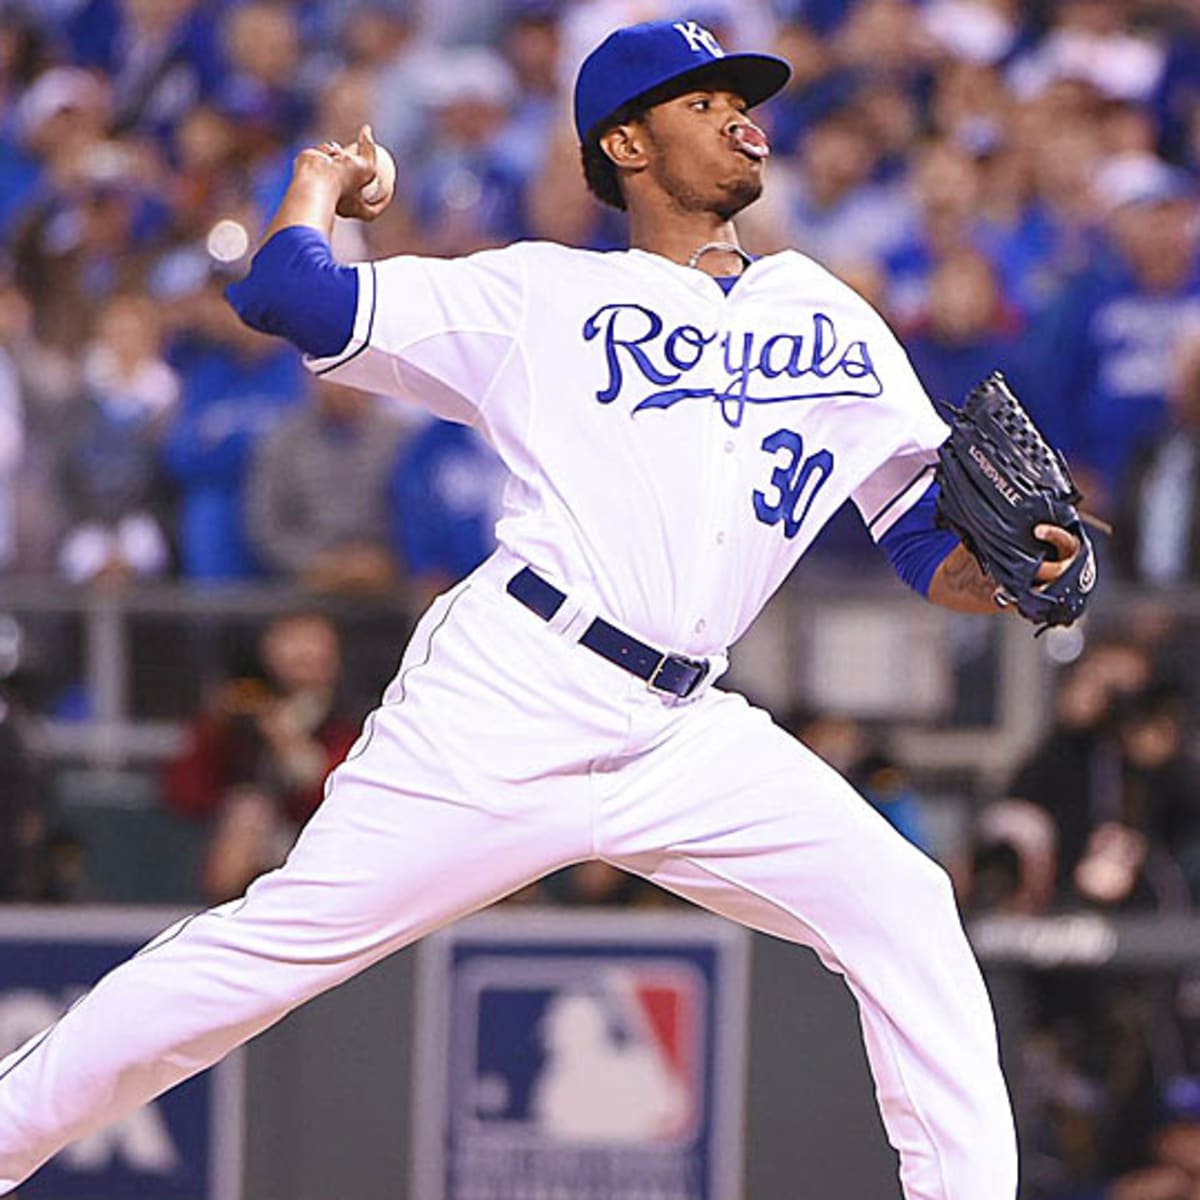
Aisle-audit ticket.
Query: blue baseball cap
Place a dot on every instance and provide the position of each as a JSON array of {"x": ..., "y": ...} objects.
[{"x": 639, "y": 58}]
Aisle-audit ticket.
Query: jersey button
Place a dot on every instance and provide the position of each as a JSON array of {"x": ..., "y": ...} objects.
[
  {"x": 721, "y": 537},
  {"x": 729, "y": 447},
  {"x": 701, "y": 625}
]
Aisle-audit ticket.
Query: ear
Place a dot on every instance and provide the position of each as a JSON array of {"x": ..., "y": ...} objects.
[{"x": 625, "y": 145}]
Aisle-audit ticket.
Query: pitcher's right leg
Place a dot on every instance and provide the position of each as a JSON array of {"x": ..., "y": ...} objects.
[
  {"x": 737, "y": 816},
  {"x": 395, "y": 852}
]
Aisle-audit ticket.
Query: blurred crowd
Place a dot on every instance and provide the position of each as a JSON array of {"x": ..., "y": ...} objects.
[
  {"x": 1103, "y": 817},
  {"x": 143, "y": 431},
  {"x": 1014, "y": 185}
]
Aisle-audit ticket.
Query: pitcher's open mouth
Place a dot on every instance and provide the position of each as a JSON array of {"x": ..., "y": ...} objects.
[{"x": 751, "y": 141}]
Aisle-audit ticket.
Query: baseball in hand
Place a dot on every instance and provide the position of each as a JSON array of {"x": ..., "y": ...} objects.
[{"x": 385, "y": 177}]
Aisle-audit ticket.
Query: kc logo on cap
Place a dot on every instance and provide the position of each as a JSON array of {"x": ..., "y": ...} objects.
[{"x": 698, "y": 38}]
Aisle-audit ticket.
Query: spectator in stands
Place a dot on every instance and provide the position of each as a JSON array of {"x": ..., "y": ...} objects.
[
  {"x": 818, "y": 86},
  {"x": 967, "y": 332},
  {"x": 1012, "y": 862},
  {"x": 87, "y": 243},
  {"x": 1159, "y": 783},
  {"x": 73, "y": 243},
  {"x": 891, "y": 115},
  {"x": 236, "y": 387},
  {"x": 970, "y": 104},
  {"x": 947, "y": 188},
  {"x": 53, "y": 125},
  {"x": 370, "y": 33},
  {"x": 1115, "y": 782},
  {"x": 209, "y": 171},
  {"x": 1123, "y": 321},
  {"x": 1091, "y": 40},
  {"x": 1035, "y": 163},
  {"x": 267, "y": 98},
  {"x": 256, "y": 760},
  {"x": 884, "y": 38},
  {"x": 467, "y": 193},
  {"x": 837, "y": 214},
  {"x": 263, "y": 51},
  {"x": 162, "y": 56},
  {"x": 317, "y": 493},
  {"x": 532, "y": 47},
  {"x": 112, "y": 474},
  {"x": 1156, "y": 535},
  {"x": 42, "y": 385},
  {"x": 445, "y": 499},
  {"x": 24, "y": 56},
  {"x": 1040, "y": 201},
  {"x": 398, "y": 119},
  {"x": 1058, "y": 776}
]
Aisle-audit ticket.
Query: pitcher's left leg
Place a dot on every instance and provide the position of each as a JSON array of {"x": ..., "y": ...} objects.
[{"x": 736, "y": 815}]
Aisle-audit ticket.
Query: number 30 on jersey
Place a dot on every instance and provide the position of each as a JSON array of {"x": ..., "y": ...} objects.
[{"x": 796, "y": 481}]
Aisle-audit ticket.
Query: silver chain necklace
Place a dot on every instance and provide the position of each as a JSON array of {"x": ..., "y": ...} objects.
[{"x": 728, "y": 247}]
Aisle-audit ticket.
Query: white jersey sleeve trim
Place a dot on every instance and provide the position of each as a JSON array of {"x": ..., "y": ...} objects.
[
  {"x": 902, "y": 502},
  {"x": 364, "y": 324}
]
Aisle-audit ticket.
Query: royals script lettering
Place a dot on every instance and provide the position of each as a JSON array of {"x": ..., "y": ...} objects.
[{"x": 809, "y": 363}]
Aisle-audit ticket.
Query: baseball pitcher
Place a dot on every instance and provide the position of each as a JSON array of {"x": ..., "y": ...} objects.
[{"x": 679, "y": 420}]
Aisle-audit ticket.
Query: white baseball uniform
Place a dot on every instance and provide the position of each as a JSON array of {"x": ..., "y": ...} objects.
[{"x": 673, "y": 451}]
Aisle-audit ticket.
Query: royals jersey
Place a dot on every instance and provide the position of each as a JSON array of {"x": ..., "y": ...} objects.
[{"x": 673, "y": 449}]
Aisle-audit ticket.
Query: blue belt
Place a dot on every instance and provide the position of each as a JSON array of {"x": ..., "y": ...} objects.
[{"x": 670, "y": 673}]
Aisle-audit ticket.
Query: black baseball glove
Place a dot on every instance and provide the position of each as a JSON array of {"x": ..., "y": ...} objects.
[{"x": 999, "y": 480}]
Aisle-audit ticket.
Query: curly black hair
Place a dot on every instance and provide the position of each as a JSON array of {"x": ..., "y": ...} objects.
[{"x": 601, "y": 174}]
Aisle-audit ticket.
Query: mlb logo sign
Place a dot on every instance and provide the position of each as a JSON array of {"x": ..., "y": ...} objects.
[
  {"x": 585, "y": 1051},
  {"x": 591, "y": 1056}
]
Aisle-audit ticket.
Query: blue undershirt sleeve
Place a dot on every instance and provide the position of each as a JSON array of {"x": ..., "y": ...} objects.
[
  {"x": 915, "y": 546},
  {"x": 296, "y": 290}
]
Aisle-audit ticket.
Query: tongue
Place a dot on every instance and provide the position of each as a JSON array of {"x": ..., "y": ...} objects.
[{"x": 752, "y": 140}]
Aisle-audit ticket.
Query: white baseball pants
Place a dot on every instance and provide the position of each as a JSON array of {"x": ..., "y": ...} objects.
[{"x": 503, "y": 751}]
